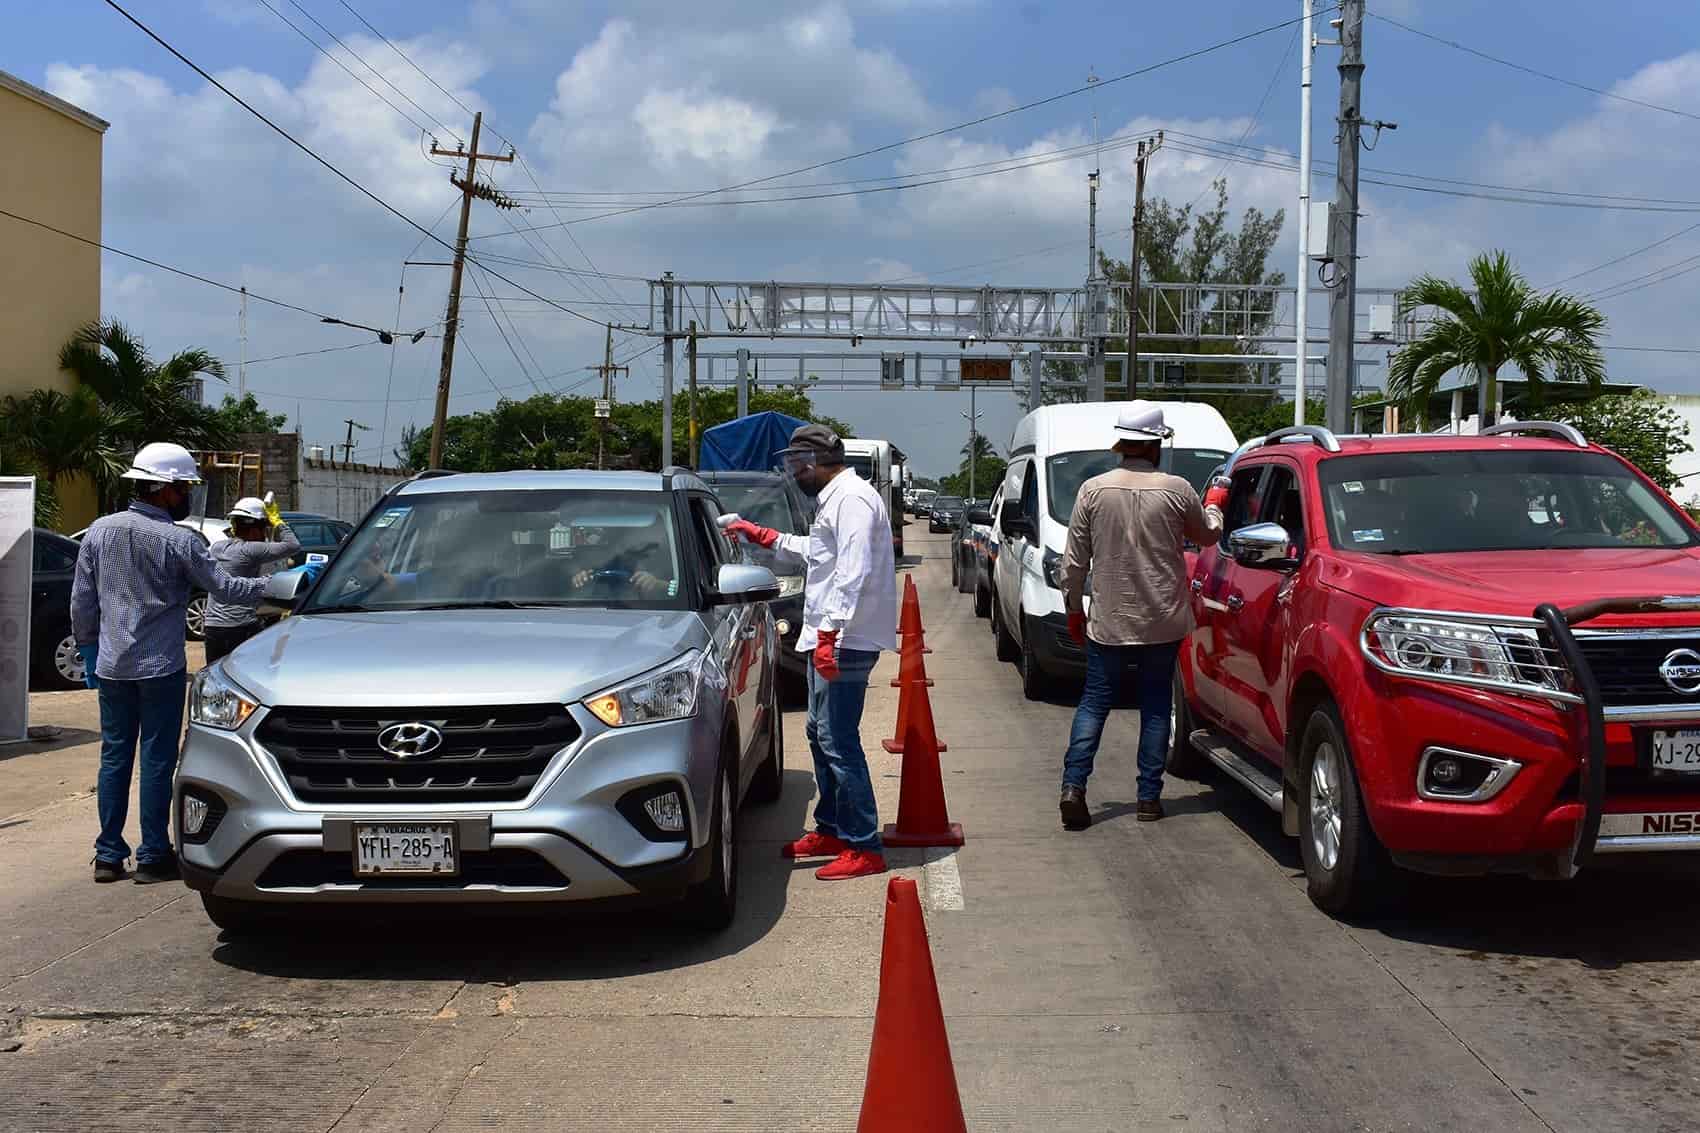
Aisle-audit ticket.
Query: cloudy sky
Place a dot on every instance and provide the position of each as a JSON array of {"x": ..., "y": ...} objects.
[{"x": 610, "y": 103}]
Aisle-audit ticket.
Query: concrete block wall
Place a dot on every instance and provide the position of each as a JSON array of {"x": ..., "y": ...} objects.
[
  {"x": 342, "y": 489},
  {"x": 280, "y": 465}
]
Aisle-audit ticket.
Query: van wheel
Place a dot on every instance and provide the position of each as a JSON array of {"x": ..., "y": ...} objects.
[
  {"x": 1343, "y": 859},
  {"x": 770, "y": 776},
  {"x": 982, "y": 601},
  {"x": 1006, "y": 647},
  {"x": 239, "y": 918},
  {"x": 1035, "y": 683},
  {"x": 712, "y": 902},
  {"x": 1184, "y": 760}
]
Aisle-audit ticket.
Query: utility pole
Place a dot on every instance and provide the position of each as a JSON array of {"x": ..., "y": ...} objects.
[
  {"x": 666, "y": 369},
  {"x": 348, "y": 445},
  {"x": 1301, "y": 304},
  {"x": 468, "y": 190},
  {"x": 1343, "y": 232},
  {"x": 242, "y": 366},
  {"x": 1096, "y": 303},
  {"x": 605, "y": 408},
  {"x": 973, "y": 416},
  {"x": 691, "y": 358},
  {"x": 1143, "y": 155}
]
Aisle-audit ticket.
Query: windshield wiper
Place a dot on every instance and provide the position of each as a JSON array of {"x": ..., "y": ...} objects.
[
  {"x": 483, "y": 604},
  {"x": 345, "y": 608}
]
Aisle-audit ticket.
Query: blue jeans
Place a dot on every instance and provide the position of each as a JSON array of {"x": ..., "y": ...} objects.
[
  {"x": 151, "y": 711},
  {"x": 1107, "y": 669},
  {"x": 846, "y": 807}
]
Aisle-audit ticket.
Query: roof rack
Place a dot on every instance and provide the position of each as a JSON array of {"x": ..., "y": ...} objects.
[
  {"x": 1315, "y": 434},
  {"x": 1555, "y": 429}
]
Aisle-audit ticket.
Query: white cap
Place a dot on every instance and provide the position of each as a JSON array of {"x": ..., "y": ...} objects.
[
  {"x": 248, "y": 507},
  {"x": 1143, "y": 423},
  {"x": 163, "y": 463}
]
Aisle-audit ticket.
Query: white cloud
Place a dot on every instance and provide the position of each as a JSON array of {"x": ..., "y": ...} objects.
[{"x": 711, "y": 130}]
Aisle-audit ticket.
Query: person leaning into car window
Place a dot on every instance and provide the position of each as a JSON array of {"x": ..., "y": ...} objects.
[{"x": 258, "y": 539}]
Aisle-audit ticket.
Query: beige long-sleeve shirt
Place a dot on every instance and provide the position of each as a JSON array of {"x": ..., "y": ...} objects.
[{"x": 1128, "y": 532}]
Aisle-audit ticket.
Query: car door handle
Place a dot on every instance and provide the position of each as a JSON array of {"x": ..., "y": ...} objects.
[
  {"x": 1235, "y": 602},
  {"x": 1198, "y": 586},
  {"x": 749, "y": 632}
]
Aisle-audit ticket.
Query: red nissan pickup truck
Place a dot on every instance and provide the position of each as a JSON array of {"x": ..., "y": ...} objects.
[{"x": 1449, "y": 654}]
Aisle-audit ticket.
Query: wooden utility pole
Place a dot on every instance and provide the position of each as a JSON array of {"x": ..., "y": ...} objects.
[
  {"x": 691, "y": 360},
  {"x": 348, "y": 445},
  {"x": 468, "y": 190},
  {"x": 1146, "y": 149},
  {"x": 606, "y": 407}
]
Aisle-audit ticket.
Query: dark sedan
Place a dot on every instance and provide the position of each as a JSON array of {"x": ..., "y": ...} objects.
[
  {"x": 54, "y": 662},
  {"x": 945, "y": 513},
  {"x": 319, "y": 534}
]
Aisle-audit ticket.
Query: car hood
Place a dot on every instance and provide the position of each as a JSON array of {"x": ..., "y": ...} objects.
[
  {"x": 1515, "y": 582},
  {"x": 460, "y": 657}
]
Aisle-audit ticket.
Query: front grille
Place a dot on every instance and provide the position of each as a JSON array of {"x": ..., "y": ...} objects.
[
  {"x": 306, "y": 869},
  {"x": 331, "y": 755},
  {"x": 1627, "y": 668}
]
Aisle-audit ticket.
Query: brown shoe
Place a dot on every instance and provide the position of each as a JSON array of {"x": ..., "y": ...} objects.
[
  {"x": 1148, "y": 810},
  {"x": 1075, "y": 815}
]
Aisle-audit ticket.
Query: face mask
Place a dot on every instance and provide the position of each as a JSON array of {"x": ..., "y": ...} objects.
[{"x": 179, "y": 511}]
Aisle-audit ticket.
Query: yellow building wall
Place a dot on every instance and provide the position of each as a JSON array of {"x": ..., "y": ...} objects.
[{"x": 49, "y": 285}]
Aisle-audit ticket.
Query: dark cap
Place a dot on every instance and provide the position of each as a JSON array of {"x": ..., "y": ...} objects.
[{"x": 817, "y": 441}]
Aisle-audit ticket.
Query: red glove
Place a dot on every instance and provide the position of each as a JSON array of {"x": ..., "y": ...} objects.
[
  {"x": 752, "y": 533},
  {"x": 1077, "y": 626},
  {"x": 826, "y": 654},
  {"x": 1216, "y": 495}
]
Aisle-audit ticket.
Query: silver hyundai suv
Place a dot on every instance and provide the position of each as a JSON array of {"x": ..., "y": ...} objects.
[{"x": 518, "y": 686}]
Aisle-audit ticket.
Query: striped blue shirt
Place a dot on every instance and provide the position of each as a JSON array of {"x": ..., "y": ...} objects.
[{"x": 135, "y": 573}]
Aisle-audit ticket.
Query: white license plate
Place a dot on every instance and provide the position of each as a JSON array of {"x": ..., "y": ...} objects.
[
  {"x": 1677, "y": 751},
  {"x": 405, "y": 847}
]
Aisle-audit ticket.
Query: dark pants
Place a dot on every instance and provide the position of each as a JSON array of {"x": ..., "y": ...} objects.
[
  {"x": 1108, "y": 667},
  {"x": 150, "y": 711},
  {"x": 223, "y": 640},
  {"x": 846, "y": 807}
]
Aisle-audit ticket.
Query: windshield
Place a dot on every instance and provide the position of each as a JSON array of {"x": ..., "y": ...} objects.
[
  {"x": 863, "y": 463},
  {"x": 763, "y": 502},
  {"x": 948, "y": 503},
  {"x": 1415, "y": 502},
  {"x": 1066, "y": 472},
  {"x": 510, "y": 548}
]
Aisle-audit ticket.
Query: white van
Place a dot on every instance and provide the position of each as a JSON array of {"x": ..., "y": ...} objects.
[
  {"x": 1055, "y": 450},
  {"x": 879, "y": 462}
]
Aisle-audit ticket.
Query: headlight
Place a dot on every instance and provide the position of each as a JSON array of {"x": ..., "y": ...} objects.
[
  {"x": 1052, "y": 568},
  {"x": 790, "y": 585},
  {"x": 667, "y": 693},
  {"x": 1482, "y": 653},
  {"x": 216, "y": 702}
]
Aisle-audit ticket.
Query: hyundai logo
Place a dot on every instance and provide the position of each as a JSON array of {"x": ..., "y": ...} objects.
[
  {"x": 1681, "y": 671},
  {"x": 415, "y": 739}
]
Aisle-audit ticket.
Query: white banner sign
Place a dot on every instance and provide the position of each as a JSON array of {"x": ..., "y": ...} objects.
[{"x": 17, "y": 571}]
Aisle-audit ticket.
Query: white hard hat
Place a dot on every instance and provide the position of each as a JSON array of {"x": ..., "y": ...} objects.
[
  {"x": 1143, "y": 423},
  {"x": 163, "y": 463},
  {"x": 248, "y": 507}
]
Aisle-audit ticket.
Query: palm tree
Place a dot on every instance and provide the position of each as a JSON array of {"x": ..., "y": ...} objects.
[
  {"x": 59, "y": 436},
  {"x": 1548, "y": 337}
]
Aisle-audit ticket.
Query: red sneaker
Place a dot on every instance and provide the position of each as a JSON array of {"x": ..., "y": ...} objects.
[
  {"x": 814, "y": 844},
  {"x": 852, "y": 863}
]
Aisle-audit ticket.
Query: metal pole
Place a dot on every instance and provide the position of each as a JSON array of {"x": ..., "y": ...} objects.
[
  {"x": 667, "y": 370},
  {"x": 743, "y": 381},
  {"x": 452, "y": 323},
  {"x": 242, "y": 366},
  {"x": 973, "y": 440},
  {"x": 1035, "y": 379},
  {"x": 1343, "y": 235},
  {"x": 607, "y": 394},
  {"x": 1301, "y": 305},
  {"x": 691, "y": 356}
]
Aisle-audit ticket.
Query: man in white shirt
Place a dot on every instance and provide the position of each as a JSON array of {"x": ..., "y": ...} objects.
[{"x": 849, "y": 615}]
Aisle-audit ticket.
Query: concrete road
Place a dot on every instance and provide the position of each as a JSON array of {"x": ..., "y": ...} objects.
[{"x": 1160, "y": 976}]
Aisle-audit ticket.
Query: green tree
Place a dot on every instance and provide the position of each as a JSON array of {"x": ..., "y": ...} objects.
[
  {"x": 1638, "y": 427},
  {"x": 1550, "y": 338},
  {"x": 247, "y": 416}
]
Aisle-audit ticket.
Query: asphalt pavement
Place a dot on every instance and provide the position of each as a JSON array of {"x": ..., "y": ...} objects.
[{"x": 1157, "y": 976}]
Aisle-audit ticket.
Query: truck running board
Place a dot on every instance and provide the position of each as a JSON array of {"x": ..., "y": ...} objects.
[{"x": 1220, "y": 750}]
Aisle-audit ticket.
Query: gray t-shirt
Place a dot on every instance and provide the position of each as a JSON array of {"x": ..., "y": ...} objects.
[{"x": 242, "y": 559}]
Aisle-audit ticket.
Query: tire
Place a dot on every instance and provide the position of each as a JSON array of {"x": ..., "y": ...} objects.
[
  {"x": 62, "y": 666},
  {"x": 770, "y": 776},
  {"x": 1184, "y": 760},
  {"x": 195, "y": 620},
  {"x": 956, "y": 571},
  {"x": 711, "y": 904},
  {"x": 1344, "y": 861},
  {"x": 982, "y": 599},
  {"x": 964, "y": 576},
  {"x": 239, "y": 918},
  {"x": 1005, "y": 645},
  {"x": 1035, "y": 682}
]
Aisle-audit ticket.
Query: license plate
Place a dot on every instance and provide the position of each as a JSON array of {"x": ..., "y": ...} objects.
[
  {"x": 1677, "y": 751},
  {"x": 405, "y": 847}
]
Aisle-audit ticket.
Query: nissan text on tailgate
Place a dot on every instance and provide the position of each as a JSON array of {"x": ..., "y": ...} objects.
[{"x": 1450, "y": 654}]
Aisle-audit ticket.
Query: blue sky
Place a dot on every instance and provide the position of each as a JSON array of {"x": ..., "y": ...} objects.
[{"x": 650, "y": 96}]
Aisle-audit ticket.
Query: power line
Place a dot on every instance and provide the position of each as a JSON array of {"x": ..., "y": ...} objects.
[
  {"x": 1095, "y": 84},
  {"x": 309, "y": 353},
  {"x": 404, "y": 58},
  {"x": 1257, "y": 115},
  {"x": 1626, "y": 255},
  {"x": 379, "y": 74},
  {"x": 321, "y": 50},
  {"x": 1537, "y": 73},
  {"x": 478, "y": 287}
]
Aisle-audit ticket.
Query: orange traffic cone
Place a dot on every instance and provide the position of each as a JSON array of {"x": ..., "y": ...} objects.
[
  {"x": 911, "y": 1081},
  {"x": 909, "y": 618},
  {"x": 922, "y": 819},
  {"x": 911, "y": 679}
]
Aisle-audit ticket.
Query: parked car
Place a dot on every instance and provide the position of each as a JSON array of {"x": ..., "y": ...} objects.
[
  {"x": 508, "y": 687},
  {"x": 923, "y": 502},
  {"x": 319, "y": 534},
  {"x": 985, "y": 526},
  {"x": 54, "y": 662},
  {"x": 774, "y": 500},
  {"x": 944, "y": 513},
  {"x": 1448, "y": 654},
  {"x": 1056, "y": 449}
]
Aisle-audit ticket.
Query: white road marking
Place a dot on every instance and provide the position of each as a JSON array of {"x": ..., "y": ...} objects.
[{"x": 944, "y": 881}]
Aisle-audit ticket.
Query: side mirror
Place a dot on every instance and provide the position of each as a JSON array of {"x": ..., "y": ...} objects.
[
  {"x": 741, "y": 583},
  {"x": 1263, "y": 545},
  {"x": 980, "y": 517},
  {"x": 283, "y": 590}
]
